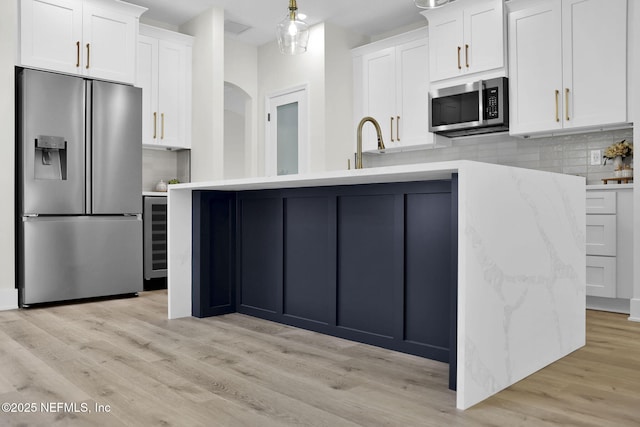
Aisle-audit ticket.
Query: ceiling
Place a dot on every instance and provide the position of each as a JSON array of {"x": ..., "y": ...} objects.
[{"x": 368, "y": 17}]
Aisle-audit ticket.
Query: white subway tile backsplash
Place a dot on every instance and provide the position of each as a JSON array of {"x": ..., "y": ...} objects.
[{"x": 567, "y": 154}]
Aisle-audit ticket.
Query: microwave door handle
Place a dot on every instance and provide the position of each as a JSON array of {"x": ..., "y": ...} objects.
[{"x": 481, "y": 86}]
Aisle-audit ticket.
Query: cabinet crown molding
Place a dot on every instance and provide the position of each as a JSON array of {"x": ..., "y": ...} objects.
[{"x": 164, "y": 34}]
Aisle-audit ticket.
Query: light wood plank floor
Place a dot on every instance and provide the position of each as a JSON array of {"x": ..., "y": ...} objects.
[{"x": 240, "y": 371}]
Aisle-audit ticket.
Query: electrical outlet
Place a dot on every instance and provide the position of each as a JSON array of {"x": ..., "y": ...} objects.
[{"x": 596, "y": 157}]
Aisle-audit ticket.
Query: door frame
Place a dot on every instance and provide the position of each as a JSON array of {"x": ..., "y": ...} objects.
[{"x": 301, "y": 94}]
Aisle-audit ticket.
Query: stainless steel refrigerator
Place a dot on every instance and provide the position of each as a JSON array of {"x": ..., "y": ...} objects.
[{"x": 79, "y": 188}]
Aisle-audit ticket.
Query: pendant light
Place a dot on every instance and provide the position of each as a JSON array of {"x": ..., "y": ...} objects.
[
  {"x": 293, "y": 34},
  {"x": 430, "y": 4}
]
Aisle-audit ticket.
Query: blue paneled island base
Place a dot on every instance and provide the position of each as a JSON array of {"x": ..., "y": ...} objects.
[{"x": 374, "y": 263}]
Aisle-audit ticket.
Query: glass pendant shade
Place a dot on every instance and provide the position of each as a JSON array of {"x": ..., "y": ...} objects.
[
  {"x": 293, "y": 34},
  {"x": 430, "y": 4}
]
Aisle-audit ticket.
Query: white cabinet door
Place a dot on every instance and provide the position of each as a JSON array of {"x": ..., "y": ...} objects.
[
  {"x": 172, "y": 90},
  {"x": 164, "y": 74},
  {"x": 601, "y": 202},
  {"x": 568, "y": 64},
  {"x": 445, "y": 45},
  {"x": 51, "y": 34},
  {"x": 109, "y": 44},
  {"x": 412, "y": 112},
  {"x": 594, "y": 63},
  {"x": 379, "y": 80},
  {"x": 147, "y": 79},
  {"x": 465, "y": 38},
  {"x": 601, "y": 235},
  {"x": 483, "y": 37},
  {"x": 535, "y": 64},
  {"x": 601, "y": 276}
]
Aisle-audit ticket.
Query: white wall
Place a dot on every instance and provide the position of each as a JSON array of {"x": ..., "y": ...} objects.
[
  {"x": 634, "y": 94},
  {"x": 8, "y": 43},
  {"x": 340, "y": 129},
  {"x": 277, "y": 72},
  {"x": 235, "y": 148},
  {"x": 241, "y": 69},
  {"x": 207, "y": 148}
]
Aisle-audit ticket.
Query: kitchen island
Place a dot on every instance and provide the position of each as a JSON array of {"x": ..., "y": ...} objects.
[{"x": 478, "y": 265}]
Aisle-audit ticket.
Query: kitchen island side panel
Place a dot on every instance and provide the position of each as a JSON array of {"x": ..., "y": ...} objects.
[{"x": 214, "y": 273}]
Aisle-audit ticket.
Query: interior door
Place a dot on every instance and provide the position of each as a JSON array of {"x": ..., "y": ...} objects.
[
  {"x": 116, "y": 149},
  {"x": 287, "y": 147}
]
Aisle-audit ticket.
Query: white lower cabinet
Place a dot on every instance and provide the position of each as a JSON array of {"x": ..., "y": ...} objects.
[
  {"x": 609, "y": 246},
  {"x": 601, "y": 276}
]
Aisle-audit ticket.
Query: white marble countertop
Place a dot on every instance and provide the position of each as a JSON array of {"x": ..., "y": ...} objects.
[
  {"x": 155, "y": 193},
  {"x": 521, "y": 262},
  {"x": 402, "y": 173}
]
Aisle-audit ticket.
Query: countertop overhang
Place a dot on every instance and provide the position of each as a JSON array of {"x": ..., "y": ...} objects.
[{"x": 404, "y": 173}]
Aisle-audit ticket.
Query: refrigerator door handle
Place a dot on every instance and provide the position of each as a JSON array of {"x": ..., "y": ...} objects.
[{"x": 88, "y": 146}]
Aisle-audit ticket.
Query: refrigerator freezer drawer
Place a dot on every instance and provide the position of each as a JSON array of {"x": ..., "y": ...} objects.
[{"x": 67, "y": 258}]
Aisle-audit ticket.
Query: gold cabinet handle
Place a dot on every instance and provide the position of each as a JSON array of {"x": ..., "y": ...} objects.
[
  {"x": 392, "y": 140},
  {"x": 88, "y": 55},
  {"x": 566, "y": 103},
  {"x": 459, "y": 66},
  {"x": 155, "y": 125},
  {"x": 466, "y": 55},
  {"x": 162, "y": 126},
  {"x": 557, "y": 107},
  {"x": 398, "y": 128},
  {"x": 77, "y": 54}
]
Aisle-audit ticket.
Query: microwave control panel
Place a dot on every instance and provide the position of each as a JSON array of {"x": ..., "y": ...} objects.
[{"x": 491, "y": 103}]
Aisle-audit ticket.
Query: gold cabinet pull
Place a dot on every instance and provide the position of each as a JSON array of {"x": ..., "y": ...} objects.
[
  {"x": 466, "y": 55},
  {"x": 566, "y": 103},
  {"x": 77, "y": 54},
  {"x": 398, "y": 128},
  {"x": 88, "y": 55},
  {"x": 155, "y": 125},
  {"x": 557, "y": 107},
  {"x": 459, "y": 65},
  {"x": 392, "y": 140},
  {"x": 162, "y": 126}
]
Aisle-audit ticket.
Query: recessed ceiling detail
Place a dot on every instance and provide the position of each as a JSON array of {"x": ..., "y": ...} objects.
[{"x": 235, "y": 28}]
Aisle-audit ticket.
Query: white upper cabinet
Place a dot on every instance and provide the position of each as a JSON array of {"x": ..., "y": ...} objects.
[
  {"x": 51, "y": 34},
  {"x": 391, "y": 81},
  {"x": 92, "y": 38},
  {"x": 568, "y": 65},
  {"x": 465, "y": 37},
  {"x": 164, "y": 74}
]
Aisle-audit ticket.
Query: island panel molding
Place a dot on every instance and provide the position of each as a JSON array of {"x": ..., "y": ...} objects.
[{"x": 521, "y": 262}]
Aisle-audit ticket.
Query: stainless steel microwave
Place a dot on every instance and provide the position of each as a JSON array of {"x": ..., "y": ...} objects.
[{"x": 470, "y": 109}]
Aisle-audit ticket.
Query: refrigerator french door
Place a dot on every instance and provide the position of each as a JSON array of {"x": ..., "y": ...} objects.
[{"x": 79, "y": 188}]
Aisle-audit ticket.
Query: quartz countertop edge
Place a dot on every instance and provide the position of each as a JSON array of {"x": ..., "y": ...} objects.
[{"x": 402, "y": 173}]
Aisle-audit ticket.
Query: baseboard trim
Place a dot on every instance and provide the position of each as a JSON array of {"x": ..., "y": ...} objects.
[
  {"x": 8, "y": 299},
  {"x": 615, "y": 305},
  {"x": 635, "y": 310}
]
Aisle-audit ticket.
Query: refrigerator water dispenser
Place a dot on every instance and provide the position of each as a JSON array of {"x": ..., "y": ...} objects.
[{"x": 51, "y": 158}]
